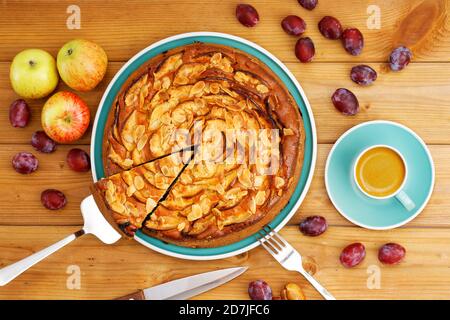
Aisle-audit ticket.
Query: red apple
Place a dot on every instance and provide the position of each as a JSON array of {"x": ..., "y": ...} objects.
[
  {"x": 82, "y": 64},
  {"x": 65, "y": 117}
]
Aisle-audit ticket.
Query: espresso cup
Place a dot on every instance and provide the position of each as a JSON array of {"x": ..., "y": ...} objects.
[{"x": 380, "y": 172}]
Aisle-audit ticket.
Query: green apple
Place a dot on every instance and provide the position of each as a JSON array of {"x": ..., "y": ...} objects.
[
  {"x": 33, "y": 74},
  {"x": 82, "y": 64}
]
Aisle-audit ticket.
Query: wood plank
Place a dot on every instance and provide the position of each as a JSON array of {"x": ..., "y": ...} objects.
[
  {"x": 124, "y": 28},
  {"x": 26, "y": 209},
  {"x": 119, "y": 269},
  {"x": 416, "y": 97},
  {"x": 20, "y": 197}
]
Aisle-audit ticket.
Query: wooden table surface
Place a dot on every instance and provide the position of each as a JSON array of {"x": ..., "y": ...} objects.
[{"x": 418, "y": 97}]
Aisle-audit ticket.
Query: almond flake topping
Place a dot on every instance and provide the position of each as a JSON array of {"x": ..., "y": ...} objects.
[
  {"x": 118, "y": 207},
  {"x": 150, "y": 205},
  {"x": 259, "y": 180},
  {"x": 181, "y": 226},
  {"x": 262, "y": 88},
  {"x": 138, "y": 132},
  {"x": 196, "y": 213},
  {"x": 260, "y": 198},
  {"x": 128, "y": 162},
  {"x": 197, "y": 88},
  {"x": 142, "y": 142},
  {"x": 252, "y": 205},
  {"x": 139, "y": 183},
  {"x": 131, "y": 190},
  {"x": 279, "y": 182}
]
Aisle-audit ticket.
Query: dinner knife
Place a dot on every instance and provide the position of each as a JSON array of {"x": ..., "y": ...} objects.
[{"x": 188, "y": 287}]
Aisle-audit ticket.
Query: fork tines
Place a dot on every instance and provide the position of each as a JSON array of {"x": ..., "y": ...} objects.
[{"x": 271, "y": 240}]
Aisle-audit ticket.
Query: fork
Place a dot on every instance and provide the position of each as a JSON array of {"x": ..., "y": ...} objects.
[{"x": 288, "y": 257}]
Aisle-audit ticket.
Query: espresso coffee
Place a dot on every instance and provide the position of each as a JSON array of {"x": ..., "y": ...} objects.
[{"x": 380, "y": 172}]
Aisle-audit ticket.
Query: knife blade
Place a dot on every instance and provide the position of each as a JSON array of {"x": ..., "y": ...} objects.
[{"x": 188, "y": 287}]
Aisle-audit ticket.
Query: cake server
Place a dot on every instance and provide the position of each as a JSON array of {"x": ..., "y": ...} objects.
[
  {"x": 188, "y": 287},
  {"x": 94, "y": 223}
]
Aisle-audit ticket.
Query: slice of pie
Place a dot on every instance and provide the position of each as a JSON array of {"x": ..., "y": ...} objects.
[
  {"x": 248, "y": 137},
  {"x": 126, "y": 198}
]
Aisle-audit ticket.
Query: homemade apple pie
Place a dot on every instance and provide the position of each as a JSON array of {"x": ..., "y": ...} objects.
[{"x": 203, "y": 146}]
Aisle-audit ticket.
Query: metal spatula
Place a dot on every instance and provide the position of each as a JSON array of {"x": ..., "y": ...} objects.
[{"x": 94, "y": 223}]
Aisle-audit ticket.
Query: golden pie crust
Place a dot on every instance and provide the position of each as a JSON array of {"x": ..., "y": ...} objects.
[{"x": 218, "y": 192}]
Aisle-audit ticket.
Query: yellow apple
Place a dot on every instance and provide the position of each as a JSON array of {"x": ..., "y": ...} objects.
[
  {"x": 82, "y": 64},
  {"x": 33, "y": 74}
]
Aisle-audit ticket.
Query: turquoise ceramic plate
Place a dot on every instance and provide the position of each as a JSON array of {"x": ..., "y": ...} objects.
[
  {"x": 351, "y": 202},
  {"x": 283, "y": 73}
]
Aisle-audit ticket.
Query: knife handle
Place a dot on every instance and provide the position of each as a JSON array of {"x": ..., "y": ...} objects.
[{"x": 138, "y": 295}]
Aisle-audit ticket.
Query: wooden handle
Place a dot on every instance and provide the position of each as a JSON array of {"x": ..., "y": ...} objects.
[{"x": 138, "y": 295}]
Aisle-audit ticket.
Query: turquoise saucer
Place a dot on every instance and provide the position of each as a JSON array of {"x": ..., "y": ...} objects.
[{"x": 351, "y": 202}]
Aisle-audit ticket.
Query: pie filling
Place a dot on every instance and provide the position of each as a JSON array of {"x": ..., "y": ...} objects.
[{"x": 248, "y": 139}]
